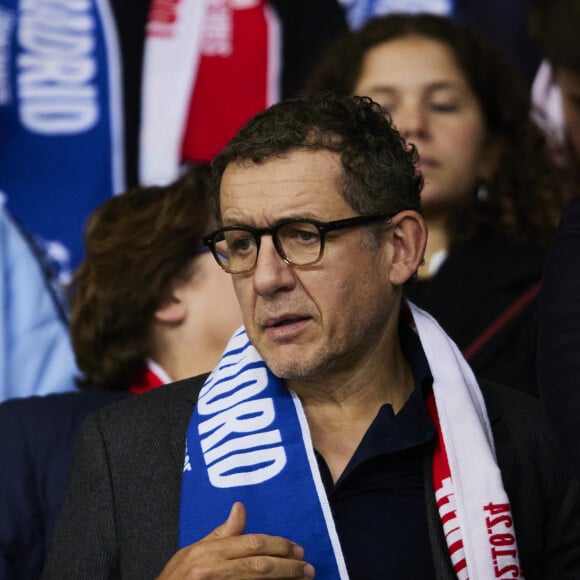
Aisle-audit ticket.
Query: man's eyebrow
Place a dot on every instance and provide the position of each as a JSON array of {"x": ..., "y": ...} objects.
[
  {"x": 226, "y": 223},
  {"x": 271, "y": 224}
]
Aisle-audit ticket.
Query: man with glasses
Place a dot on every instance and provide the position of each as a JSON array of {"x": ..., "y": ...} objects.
[{"x": 342, "y": 434}]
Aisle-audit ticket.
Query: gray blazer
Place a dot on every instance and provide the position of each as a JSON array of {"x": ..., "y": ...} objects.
[{"x": 120, "y": 517}]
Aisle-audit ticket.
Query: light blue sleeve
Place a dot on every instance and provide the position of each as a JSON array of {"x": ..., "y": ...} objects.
[{"x": 36, "y": 356}]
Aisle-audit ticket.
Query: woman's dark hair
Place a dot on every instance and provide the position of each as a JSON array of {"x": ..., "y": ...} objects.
[
  {"x": 137, "y": 245},
  {"x": 526, "y": 192}
]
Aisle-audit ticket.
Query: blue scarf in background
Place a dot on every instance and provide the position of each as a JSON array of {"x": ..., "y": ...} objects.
[
  {"x": 60, "y": 117},
  {"x": 358, "y": 12}
]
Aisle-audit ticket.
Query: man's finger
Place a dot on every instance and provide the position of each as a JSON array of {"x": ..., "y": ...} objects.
[{"x": 233, "y": 526}]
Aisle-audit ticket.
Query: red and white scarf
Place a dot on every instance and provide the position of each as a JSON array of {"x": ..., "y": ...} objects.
[
  {"x": 473, "y": 505},
  {"x": 209, "y": 66}
]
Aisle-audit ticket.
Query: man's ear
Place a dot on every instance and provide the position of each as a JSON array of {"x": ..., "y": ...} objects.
[
  {"x": 171, "y": 311},
  {"x": 409, "y": 238}
]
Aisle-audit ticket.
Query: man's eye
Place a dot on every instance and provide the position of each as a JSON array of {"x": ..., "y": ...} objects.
[
  {"x": 301, "y": 234},
  {"x": 307, "y": 235},
  {"x": 241, "y": 244}
]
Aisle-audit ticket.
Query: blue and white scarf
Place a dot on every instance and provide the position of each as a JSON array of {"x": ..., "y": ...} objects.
[
  {"x": 248, "y": 440},
  {"x": 61, "y": 128}
]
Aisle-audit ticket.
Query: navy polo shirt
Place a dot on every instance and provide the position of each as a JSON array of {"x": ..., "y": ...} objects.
[{"x": 378, "y": 503}]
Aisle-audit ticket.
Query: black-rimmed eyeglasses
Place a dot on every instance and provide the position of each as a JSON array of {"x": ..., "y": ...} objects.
[{"x": 299, "y": 241}]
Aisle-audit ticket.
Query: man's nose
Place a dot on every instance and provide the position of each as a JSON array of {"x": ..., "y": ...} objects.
[{"x": 271, "y": 273}]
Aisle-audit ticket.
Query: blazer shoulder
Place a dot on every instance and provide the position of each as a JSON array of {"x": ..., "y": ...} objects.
[
  {"x": 519, "y": 426},
  {"x": 500, "y": 400},
  {"x": 169, "y": 401},
  {"x": 517, "y": 419}
]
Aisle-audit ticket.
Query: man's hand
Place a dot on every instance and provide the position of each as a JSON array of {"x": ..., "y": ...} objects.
[{"x": 226, "y": 553}]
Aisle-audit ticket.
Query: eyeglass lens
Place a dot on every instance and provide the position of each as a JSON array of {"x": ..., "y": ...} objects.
[{"x": 298, "y": 242}]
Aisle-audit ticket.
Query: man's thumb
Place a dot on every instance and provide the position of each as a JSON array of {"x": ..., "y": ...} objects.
[{"x": 233, "y": 526}]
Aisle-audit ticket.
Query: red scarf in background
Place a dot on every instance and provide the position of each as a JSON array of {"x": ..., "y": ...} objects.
[
  {"x": 153, "y": 377},
  {"x": 210, "y": 65},
  {"x": 232, "y": 79}
]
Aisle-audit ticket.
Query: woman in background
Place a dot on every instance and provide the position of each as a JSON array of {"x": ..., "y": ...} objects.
[
  {"x": 491, "y": 197},
  {"x": 150, "y": 306}
]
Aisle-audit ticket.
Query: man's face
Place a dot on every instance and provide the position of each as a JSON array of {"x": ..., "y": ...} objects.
[{"x": 319, "y": 320}]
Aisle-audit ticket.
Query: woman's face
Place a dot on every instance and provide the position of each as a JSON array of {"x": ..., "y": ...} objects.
[{"x": 417, "y": 80}]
